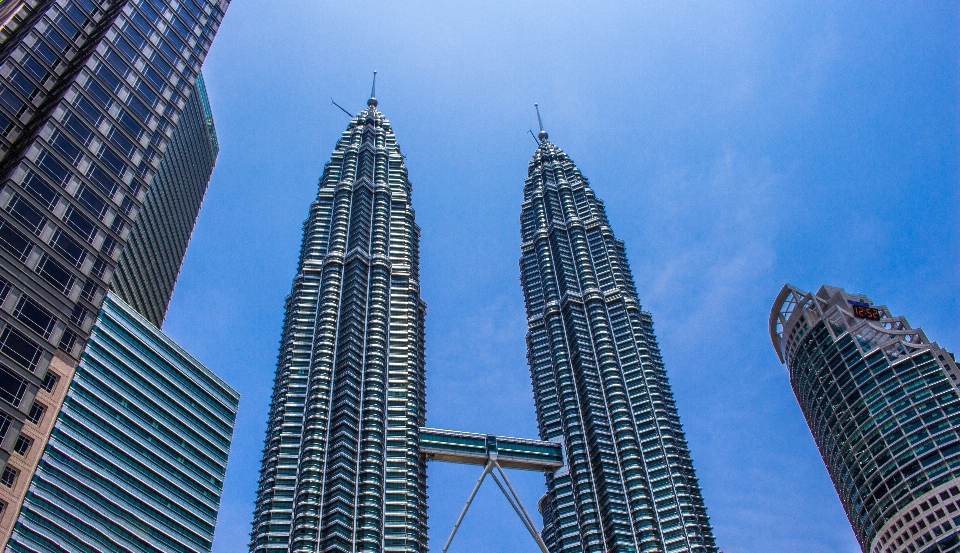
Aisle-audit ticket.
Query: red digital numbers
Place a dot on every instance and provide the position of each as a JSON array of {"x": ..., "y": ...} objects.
[{"x": 866, "y": 312}]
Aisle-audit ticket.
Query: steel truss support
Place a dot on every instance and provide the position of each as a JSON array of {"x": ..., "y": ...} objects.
[{"x": 512, "y": 498}]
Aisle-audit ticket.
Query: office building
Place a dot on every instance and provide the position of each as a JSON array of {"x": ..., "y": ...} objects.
[
  {"x": 148, "y": 267},
  {"x": 882, "y": 404},
  {"x": 342, "y": 470},
  {"x": 138, "y": 453},
  {"x": 599, "y": 382},
  {"x": 90, "y": 94}
]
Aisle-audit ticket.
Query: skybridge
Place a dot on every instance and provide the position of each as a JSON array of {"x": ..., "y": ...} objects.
[
  {"x": 493, "y": 453},
  {"x": 475, "y": 449}
]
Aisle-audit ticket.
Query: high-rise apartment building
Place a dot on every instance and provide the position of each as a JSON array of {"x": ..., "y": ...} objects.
[
  {"x": 138, "y": 454},
  {"x": 148, "y": 267},
  {"x": 90, "y": 93},
  {"x": 599, "y": 382},
  {"x": 882, "y": 404},
  {"x": 342, "y": 470}
]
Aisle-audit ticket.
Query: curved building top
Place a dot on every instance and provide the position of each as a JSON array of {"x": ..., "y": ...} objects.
[{"x": 882, "y": 403}]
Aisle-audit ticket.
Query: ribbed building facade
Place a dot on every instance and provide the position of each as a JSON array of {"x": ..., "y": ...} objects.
[
  {"x": 882, "y": 403},
  {"x": 148, "y": 268},
  {"x": 137, "y": 458},
  {"x": 341, "y": 467},
  {"x": 90, "y": 92},
  {"x": 599, "y": 382}
]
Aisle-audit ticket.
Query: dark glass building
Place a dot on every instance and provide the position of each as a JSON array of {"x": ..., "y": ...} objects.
[
  {"x": 148, "y": 268},
  {"x": 137, "y": 457},
  {"x": 90, "y": 93},
  {"x": 599, "y": 383},
  {"x": 342, "y": 469},
  {"x": 882, "y": 404}
]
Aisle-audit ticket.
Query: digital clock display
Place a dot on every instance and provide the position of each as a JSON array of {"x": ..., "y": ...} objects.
[{"x": 864, "y": 312}]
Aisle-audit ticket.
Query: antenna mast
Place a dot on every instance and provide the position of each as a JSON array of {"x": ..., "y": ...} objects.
[
  {"x": 341, "y": 107},
  {"x": 534, "y": 137}
]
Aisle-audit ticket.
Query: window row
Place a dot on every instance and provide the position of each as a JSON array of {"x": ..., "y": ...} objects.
[{"x": 57, "y": 235}]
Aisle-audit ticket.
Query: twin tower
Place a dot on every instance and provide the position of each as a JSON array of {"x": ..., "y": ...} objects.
[{"x": 346, "y": 450}]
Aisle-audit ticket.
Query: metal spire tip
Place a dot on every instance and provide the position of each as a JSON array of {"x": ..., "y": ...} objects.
[
  {"x": 543, "y": 134},
  {"x": 373, "y": 91}
]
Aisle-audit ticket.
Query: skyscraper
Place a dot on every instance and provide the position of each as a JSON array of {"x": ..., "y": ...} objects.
[
  {"x": 137, "y": 457},
  {"x": 138, "y": 452},
  {"x": 599, "y": 382},
  {"x": 148, "y": 268},
  {"x": 882, "y": 404},
  {"x": 90, "y": 91},
  {"x": 341, "y": 468}
]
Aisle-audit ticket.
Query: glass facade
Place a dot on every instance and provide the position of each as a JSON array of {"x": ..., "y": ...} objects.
[
  {"x": 137, "y": 457},
  {"x": 599, "y": 382},
  {"x": 90, "y": 93},
  {"x": 342, "y": 470},
  {"x": 882, "y": 404},
  {"x": 148, "y": 268}
]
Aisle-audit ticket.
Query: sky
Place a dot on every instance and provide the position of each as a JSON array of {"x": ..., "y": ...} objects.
[{"x": 738, "y": 146}]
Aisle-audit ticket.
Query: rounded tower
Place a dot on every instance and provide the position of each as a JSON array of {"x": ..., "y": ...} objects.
[{"x": 882, "y": 404}]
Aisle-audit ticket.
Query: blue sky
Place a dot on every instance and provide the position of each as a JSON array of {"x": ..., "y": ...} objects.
[{"x": 737, "y": 145}]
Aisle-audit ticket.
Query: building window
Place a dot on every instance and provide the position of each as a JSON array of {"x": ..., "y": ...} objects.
[
  {"x": 5, "y": 124},
  {"x": 80, "y": 223},
  {"x": 14, "y": 242},
  {"x": 56, "y": 274},
  {"x": 10, "y": 100},
  {"x": 99, "y": 94},
  {"x": 35, "y": 68},
  {"x": 68, "y": 341},
  {"x": 88, "y": 111},
  {"x": 69, "y": 248},
  {"x": 76, "y": 127},
  {"x": 26, "y": 214},
  {"x": 113, "y": 162},
  {"x": 9, "y": 476},
  {"x": 79, "y": 315},
  {"x": 5, "y": 421},
  {"x": 50, "y": 381},
  {"x": 39, "y": 190},
  {"x": 33, "y": 315},
  {"x": 23, "y": 84},
  {"x": 36, "y": 412},
  {"x": 119, "y": 140},
  {"x": 21, "y": 349},
  {"x": 141, "y": 111},
  {"x": 89, "y": 292},
  {"x": 23, "y": 445},
  {"x": 90, "y": 200},
  {"x": 99, "y": 267},
  {"x": 68, "y": 149},
  {"x": 53, "y": 168},
  {"x": 57, "y": 40},
  {"x": 125, "y": 206},
  {"x": 66, "y": 27}
]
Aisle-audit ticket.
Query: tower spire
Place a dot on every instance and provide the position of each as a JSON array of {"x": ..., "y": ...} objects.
[
  {"x": 543, "y": 134},
  {"x": 373, "y": 92}
]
